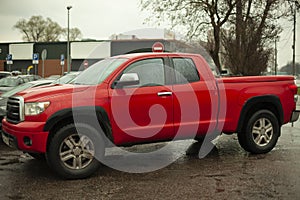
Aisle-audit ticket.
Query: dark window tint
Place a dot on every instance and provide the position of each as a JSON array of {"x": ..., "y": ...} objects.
[
  {"x": 150, "y": 72},
  {"x": 185, "y": 70}
]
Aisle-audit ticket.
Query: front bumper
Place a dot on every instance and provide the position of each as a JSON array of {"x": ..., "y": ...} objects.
[
  {"x": 9, "y": 140},
  {"x": 26, "y": 136}
]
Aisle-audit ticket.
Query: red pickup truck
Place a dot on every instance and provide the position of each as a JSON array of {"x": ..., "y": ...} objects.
[{"x": 142, "y": 98}]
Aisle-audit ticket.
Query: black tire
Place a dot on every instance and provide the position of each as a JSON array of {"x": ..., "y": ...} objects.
[
  {"x": 74, "y": 151},
  {"x": 38, "y": 156},
  {"x": 200, "y": 139},
  {"x": 260, "y": 132}
]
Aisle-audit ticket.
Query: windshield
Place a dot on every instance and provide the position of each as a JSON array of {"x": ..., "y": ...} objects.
[
  {"x": 98, "y": 72},
  {"x": 17, "y": 89}
]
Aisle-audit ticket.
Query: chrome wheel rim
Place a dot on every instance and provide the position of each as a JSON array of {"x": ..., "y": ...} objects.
[
  {"x": 262, "y": 132},
  {"x": 77, "y": 152}
]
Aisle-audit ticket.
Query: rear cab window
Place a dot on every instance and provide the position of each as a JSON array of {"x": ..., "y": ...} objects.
[{"x": 185, "y": 70}]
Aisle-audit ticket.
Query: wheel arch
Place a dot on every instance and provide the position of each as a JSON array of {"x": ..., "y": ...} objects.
[
  {"x": 63, "y": 117},
  {"x": 254, "y": 104}
]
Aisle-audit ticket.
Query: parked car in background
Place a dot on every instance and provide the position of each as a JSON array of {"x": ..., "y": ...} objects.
[
  {"x": 53, "y": 77},
  {"x": 67, "y": 78},
  {"x": 16, "y": 73},
  {"x": 32, "y": 77},
  {"x": 10, "y": 82},
  {"x": 42, "y": 82},
  {"x": 6, "y": 95},
  {"x": 4, "y": 74}
]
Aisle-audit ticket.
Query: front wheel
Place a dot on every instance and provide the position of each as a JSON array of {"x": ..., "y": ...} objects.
[
  {"x": 73, "y": 151},
  {"x": 260, "y": 133}
]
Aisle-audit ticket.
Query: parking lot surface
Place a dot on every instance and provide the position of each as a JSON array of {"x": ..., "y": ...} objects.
[{"x": 228, "y": 172}]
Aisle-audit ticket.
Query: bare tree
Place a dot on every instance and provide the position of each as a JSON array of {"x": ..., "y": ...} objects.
[
  {"x": 240, "y": 30},
  {"x": 75, "y": 34},
  {"x": 33, "y": 29},
  {"x": 52, "y": 31},
  {"x": 248, "y": 42},
  {"x": 38, "y": 29},
  {"x": 198, "y": 17}
]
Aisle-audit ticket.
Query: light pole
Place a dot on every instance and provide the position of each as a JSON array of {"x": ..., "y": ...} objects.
[{"x": 68, "y": 42}]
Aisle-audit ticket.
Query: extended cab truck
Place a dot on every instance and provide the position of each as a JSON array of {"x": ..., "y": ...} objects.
[{"x": 141, "y": 98}]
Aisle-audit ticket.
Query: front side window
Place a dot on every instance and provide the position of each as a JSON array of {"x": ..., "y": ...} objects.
[
  {"x": 150, "y": 72},
  {"x": 185, "y": 70}
]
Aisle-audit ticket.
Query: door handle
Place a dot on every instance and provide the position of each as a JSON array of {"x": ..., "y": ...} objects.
[{"x": 164, "y": 94}]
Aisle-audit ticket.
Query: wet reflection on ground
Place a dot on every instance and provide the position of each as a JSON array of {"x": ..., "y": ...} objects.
[{"x": 227, "y": 172}]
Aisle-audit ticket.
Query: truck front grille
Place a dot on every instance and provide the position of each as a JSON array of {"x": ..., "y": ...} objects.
[{"x": 14, "y": 109}]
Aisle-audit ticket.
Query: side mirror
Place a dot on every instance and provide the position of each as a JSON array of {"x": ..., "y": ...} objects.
[{"x": 128, "y": 79}]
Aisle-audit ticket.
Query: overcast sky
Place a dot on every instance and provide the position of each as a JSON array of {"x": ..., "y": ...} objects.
[{"x": 99, "y": 19}]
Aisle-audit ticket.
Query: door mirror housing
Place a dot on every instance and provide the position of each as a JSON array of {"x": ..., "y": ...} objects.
[{"x": 128, "y": 79}]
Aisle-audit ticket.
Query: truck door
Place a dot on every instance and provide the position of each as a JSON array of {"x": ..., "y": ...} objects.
[
  {"x": 195, "y": 98},
  {"x": 143, "y": 112}
]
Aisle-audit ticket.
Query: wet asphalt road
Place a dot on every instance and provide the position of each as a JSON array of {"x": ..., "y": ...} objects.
[{"x": 228, "y": 172}]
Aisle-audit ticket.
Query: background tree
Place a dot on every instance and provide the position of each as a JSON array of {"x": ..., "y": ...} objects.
[
  {"x": 253, "y": 29},
  {"x": 38, "y": 29},
  {"x": 33, "y": 29},
  {"x": 197, "y": 17},
  {"x": 52, "y": 31},
  {"x": 240, "y": 30},
  {"x": 75, "y": 34}
]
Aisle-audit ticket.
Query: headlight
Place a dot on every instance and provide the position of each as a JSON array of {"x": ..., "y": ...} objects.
[{"x": 35, "y": 108}]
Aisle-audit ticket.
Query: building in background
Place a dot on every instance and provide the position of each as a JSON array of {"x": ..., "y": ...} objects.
[{"x": 82, "y": 53}]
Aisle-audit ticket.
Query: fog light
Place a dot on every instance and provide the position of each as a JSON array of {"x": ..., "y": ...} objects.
[{"x": 27, "y": 141}]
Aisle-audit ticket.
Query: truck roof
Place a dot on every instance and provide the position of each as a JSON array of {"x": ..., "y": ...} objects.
[{"x": 134, "y": 55}]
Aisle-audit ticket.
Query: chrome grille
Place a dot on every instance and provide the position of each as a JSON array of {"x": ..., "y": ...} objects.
[{"x": 15, "y": 110}]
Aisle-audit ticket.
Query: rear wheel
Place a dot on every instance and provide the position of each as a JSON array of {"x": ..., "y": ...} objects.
[
  {"x": 73, "y": 151},
  {"x": 260, "y": 133}
]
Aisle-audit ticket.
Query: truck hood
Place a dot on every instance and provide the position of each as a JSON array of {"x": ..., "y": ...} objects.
[{"x": 37, "y": 93}]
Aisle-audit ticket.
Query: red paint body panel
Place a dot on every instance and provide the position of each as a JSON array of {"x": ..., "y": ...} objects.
[
  {"x": 191, "y": 110},
  {"x": 33, "y": 130},
  {"x": 139, "y": 121},
  {"x": 238, "y": 92}
]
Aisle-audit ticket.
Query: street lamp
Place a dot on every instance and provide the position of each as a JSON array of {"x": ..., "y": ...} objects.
[{"x": 68, "y": 43}]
